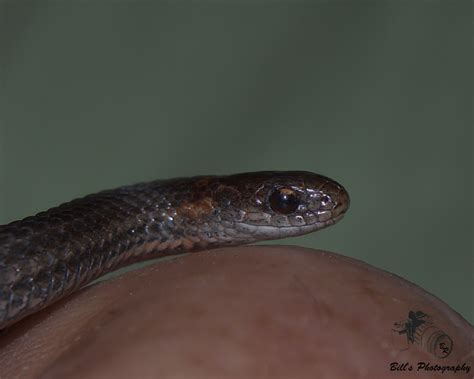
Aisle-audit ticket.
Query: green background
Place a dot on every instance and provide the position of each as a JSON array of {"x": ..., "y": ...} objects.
[{"x": 377, "y": 95}]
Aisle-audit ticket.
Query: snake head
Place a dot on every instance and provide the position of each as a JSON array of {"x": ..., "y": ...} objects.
[{"x": 273, "y": 204}]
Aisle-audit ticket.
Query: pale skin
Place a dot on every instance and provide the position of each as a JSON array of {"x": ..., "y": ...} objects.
[{"x": 245, "y": 312}]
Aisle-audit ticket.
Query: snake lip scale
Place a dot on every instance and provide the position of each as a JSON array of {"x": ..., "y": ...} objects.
[{"x": 46, "y": 257}]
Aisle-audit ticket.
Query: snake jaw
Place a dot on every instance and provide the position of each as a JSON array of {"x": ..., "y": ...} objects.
[{"x": 253, "y": 233}]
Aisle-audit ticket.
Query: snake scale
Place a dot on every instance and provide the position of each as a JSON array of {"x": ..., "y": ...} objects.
[{"x": 47, "y": 256}]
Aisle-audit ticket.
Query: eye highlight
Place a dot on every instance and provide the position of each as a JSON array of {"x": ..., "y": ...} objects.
[
  {"x": 284, "y": 200},
  {"x": 325, "y": 199}
]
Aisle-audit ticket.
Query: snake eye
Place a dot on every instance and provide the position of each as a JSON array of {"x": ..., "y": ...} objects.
[{"x": 284, "y": 200}]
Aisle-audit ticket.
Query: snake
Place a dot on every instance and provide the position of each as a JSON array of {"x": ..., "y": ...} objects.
[{"x": 48, "y": 256}]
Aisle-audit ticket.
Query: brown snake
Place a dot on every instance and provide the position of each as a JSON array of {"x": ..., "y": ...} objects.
[{"x": 48, "y": 256}]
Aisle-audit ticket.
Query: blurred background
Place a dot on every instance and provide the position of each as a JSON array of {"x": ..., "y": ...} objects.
[{"x": 377, "y": 95}]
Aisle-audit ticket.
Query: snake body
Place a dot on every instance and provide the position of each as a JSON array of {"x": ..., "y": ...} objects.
[{"x": 47, "y": 256}]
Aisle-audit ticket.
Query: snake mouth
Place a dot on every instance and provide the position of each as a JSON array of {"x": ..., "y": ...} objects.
[{"x": 251, "y": 231}]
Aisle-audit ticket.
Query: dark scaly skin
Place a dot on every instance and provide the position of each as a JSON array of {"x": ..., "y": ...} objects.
[{"x": 46, "y": 257}]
